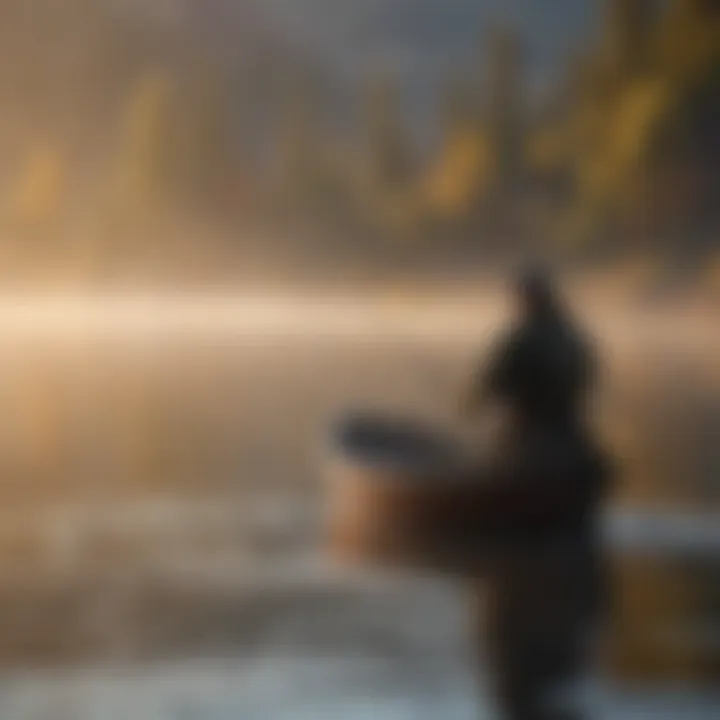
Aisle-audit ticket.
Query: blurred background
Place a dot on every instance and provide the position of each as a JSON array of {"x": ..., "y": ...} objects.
[{"x": 222, "y": 222}]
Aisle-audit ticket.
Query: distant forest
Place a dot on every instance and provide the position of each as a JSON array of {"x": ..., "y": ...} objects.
[{"x": 143, "y": 132}]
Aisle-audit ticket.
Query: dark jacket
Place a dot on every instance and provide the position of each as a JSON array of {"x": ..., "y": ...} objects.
[
  {"x": 543, "y": 371},
  {"x": 552, "y": 474}
]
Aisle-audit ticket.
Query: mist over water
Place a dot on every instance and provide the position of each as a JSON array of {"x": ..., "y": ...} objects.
[
  {"x": 224, "y": 223},
  {"x": 163, "y": 490}
]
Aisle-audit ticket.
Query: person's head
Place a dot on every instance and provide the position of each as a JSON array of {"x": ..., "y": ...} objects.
[{"x": 536, "y": 294}]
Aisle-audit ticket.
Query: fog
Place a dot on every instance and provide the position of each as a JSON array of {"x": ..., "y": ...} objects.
[
  {"x": 224, "y": 223},
  {"x": 163, "y": 499}
]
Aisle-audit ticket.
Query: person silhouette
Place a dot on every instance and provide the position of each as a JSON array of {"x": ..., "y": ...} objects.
[{"x": 541, "y": 601}]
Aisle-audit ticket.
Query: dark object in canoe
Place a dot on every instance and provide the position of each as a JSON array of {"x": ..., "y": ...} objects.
[{"x": 388, "y": 444}]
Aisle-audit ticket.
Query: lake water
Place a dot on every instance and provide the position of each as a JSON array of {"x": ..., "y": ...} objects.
[{"x": 162, "y": 499}]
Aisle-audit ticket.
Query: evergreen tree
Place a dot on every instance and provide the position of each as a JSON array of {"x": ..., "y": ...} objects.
[
  {"x": 146, "y": 159},
  {"x": 388, "y": 146},
  {"x": 628, "y": 33},
  {"x": 37, "y": 194},
  {"x": 505, "y": 127},
  {"x": 298, "y": 146},
  {"x": 206, "y": 152}
]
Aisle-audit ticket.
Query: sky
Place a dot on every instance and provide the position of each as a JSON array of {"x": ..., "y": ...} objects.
[
  {"x": 422, "y": 41},
  {"x": 426, "y": 39}
]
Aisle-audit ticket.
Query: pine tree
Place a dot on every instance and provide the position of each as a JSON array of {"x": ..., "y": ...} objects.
[
  {"x": 298, "y": 146},
  {"x": 205, "y": 154},
  {"x": 628, "y": 33},
  {"x": 504, "y": 122},
  {"x": 389, "y": 153},
  {"x": 146, "y": 159},
  {"x": 38, "y": 192}
]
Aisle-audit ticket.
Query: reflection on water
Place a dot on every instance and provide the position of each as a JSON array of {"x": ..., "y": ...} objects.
[{"x": 204, "y": 447}]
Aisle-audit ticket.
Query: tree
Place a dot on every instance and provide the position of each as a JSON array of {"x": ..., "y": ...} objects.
[
  {"x": 629, "y": 26},
  {"x": 390, "y": 155},
  {"x": 505, "y": 106},
  {"x": 688, "y": 44},
  {"x": 505, "y": 126},
  {"x": 38, "y": 193},
  {"x": 204, "y": 153},
  {"x": 458, "y": 180},
  {"x": 298, "y": 157},
  {"x": 146, "y": 158}
]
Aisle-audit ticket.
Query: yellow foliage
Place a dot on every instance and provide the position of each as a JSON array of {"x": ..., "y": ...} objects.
[
  {"x": 642, "y": 106},
  {"x": 144, "y": 113},
  {"x": 144, "y": 138},
  {"x": 37, "y": 194},
  {"x": 629, "y": 128},
  {"x": 461, "y": 175}
]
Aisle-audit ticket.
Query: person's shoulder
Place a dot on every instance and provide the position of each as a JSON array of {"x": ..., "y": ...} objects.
[{"x": 518, "y": 339}]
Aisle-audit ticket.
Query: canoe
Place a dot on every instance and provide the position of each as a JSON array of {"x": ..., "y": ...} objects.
[{"x": 405, "y": 494}]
